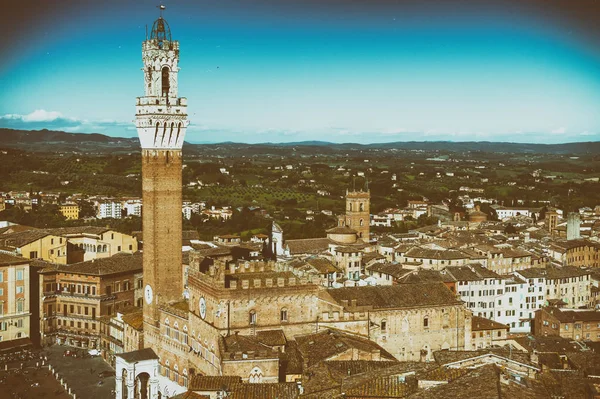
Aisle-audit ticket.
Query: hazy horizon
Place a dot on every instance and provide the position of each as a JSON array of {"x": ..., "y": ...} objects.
[{"x": 333, "y": 70}]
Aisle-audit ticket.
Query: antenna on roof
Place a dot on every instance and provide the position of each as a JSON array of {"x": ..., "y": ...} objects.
[{"x": 161, "y": 8}]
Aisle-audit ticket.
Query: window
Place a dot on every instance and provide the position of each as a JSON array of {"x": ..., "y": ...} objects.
[
  {"x": 33, "y": 255},
  {"x": 284, "y": 314},
  {"x": 426, "y": 322},
  {"x": 252, "y": 317},
  {"x": 1, "y": 277},
  {"x": 20, "y": 289},
  {"x": 383, "y": 325},
  {"x": 20, "y": 274}
]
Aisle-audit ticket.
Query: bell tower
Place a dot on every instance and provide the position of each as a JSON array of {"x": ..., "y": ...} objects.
[
  {"x": 161, "y": 121},
  {"x": 358, "y": 212}
]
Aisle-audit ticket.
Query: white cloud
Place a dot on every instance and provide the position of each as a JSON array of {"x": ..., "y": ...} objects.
[
  {"x": 560, "y": 130},
  {"x": 54, "y": 120},
  {"x": 41, "y": 115}
]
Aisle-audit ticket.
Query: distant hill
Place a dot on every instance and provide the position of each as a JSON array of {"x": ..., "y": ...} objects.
[{"x": 48, "y": 140}]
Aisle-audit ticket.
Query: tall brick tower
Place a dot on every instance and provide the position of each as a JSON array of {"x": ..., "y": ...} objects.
[
  {"x": 357, "y": 212},
  {"x": 161, "y": 120}
]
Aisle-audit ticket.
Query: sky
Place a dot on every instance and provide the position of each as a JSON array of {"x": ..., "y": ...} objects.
[{"x": 331, "y": 70}]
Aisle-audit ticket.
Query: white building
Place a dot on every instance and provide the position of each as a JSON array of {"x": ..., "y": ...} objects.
[
  {"x": 133, "y": 207},
  {"x": 109, "y": 210}
]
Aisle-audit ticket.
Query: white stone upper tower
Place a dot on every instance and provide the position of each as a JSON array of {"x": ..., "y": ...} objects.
[{"x": 161, "y": 116}]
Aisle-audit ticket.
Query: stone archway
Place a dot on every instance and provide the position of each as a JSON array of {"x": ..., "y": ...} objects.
[
  {"x": 124, "y": 390},
  {"x": 141, "y": 388}
]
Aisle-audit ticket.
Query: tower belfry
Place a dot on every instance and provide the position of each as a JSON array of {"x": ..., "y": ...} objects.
[{"x": 161, "y": 121}]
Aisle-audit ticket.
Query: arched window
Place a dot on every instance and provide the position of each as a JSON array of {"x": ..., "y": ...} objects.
[
  {"x": 361, "y": 222},
  {"x": 178, "y": 131},
  {"x": 349, "y": 206},
  {"x": 361, "y": 207},
  {"x": 252, "y": 317},
  {"x": 426, "y": 322},
  {"x": 283, "y": 314},
  {"x": 156, "y": 132},
  {"x": 176, "y": 373},
  {"x": 185, "y": 378},
  {"x": 167, "y": 328},
  {"x": 383, "y": 325},
  {"x": 167, "y": 370},
  {"x": 165, "y": 82},
  {"x": 176, "y": 331}
]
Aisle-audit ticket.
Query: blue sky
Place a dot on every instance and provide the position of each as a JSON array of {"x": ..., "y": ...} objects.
[{"x": 341, "y": 71}]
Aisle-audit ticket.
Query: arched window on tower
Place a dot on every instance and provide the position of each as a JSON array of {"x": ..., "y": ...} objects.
[
  {"x": 361, "y": 207},
  {"x": 156, "y": 132},
  {"x": 165, "y": 81},
  {"x": 361, "y": 222}
]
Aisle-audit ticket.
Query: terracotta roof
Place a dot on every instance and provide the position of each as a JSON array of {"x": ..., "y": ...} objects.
[
  {"x": 349, "y": 249},
  {"x": 327, "y": 344},
  {"x": 135, "y": 319},
  {"x": 484, "y": 382},
  {"x": 190, "y": 395},
  {"x": 15, "y": 228},
  {"x": 7, "y": 260},
  {"x": 572, "y": 315},
  {"x": 426, "y": 253},
  {"x": 22, "y": 238},
  {"x": 422, "y": 276},
  {"x": 545, "y": 344},
  {"x": 271, "y": 337},
  {"x": 322, "y": 265},
  {"x": 393, "y": 269},
  {"x": 213, "y": 383},
  {"x": 63, "y": 231},
  {"x": 244, "y": 343},
  {"x": 399, "y": 296},
  {"x": 281, "y": 390},
  {"x": 481, "y": 324},
  {"x": 98, "y": 267},
  {"x": 139, "y": 355},
  {"x": 308, "y": 245},
  {"x": 212, "y": 252},
  {"x": 444, "y": 357},
  {"x": 341, "y": 230}
]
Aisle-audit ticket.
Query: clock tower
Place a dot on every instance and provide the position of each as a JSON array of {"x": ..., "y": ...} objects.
[{"x": 161, "y": 121}]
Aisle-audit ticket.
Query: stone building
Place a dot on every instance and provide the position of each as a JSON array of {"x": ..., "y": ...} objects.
[
  {"x": 580, "y": 253},
  {"x": 15, "y": 299},
  {"x": 409, "y": 320},
  {"x": 486, "y": 332},
  {"x": 70, "y": 211},
  {"x": 76, "y": 297},
  {"x": 35, "y": 244},
  {"x": 573, "y": 324},
  {"x": 91, "y": 242},
  {"x": 357, "y": 215}
]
